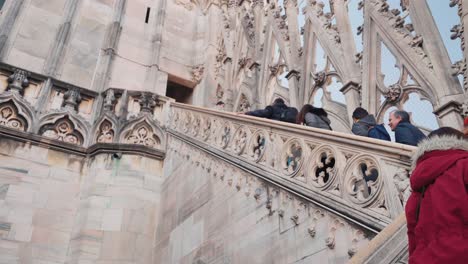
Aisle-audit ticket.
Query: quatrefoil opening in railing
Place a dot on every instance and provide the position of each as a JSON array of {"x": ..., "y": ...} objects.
[
  {"x": 257, "y": 146},
  {"x": 324, "y": 170},
  {"x": 187, "y": 122},
  {"x": 196, "y": 125},
  {"x": 206, "y": 129},
  {"x": 175, "y": 118},
  {"x": 225, "y": 134},
  {"x": 363, "y": 182},
  {"x": 240, "y": 140},
  {"x": 292, "y": 157}
]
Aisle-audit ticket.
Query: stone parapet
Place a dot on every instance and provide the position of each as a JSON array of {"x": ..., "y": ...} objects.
[{"x": 363, "y": 180}]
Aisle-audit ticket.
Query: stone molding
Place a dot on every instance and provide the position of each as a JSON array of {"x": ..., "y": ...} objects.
[{"x": 353, "y": 175}]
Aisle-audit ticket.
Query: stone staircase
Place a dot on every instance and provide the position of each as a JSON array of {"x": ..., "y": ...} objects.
[{"x": 272, "y": 192}]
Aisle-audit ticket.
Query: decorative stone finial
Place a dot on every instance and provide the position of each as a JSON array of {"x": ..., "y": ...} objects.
[
  {"x": 72, "y": 98},
  {"x": 148, "y": 102},
  {"x": 18, "y": 81},
  {"x": 109, "y": 101}
]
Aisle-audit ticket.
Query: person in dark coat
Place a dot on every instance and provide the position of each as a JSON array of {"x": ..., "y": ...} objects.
[
  {"x": 366, "y": 126},
  {"x": 313, "y": 117},
  {"x": 437, "y": 209},
  {"x": 405, "y": 132},
  {"x": 273, "y": 111}
]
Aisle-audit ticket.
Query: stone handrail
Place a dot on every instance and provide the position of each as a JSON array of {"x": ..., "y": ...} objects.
[{"x": 362, "y": 179}]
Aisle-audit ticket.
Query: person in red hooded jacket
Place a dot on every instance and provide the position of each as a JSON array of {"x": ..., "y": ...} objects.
[{"x": 437, "y": 210}]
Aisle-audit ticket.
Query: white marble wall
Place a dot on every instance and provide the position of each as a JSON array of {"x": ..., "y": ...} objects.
[{"x": 62, "y": 208}]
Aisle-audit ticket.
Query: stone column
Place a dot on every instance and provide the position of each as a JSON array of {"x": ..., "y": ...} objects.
[
  {"x": 351, "y": 93},
  {"x": 10, "y": 16},
  {"x": 110, "y": 43},
  {"x": 229, "y": 103},
  {"x": 53, "y": 63},
  {"x": 450, "y": 114},
  {"x": 156, "y": 81},
  {"x": 293, "y": 81}
]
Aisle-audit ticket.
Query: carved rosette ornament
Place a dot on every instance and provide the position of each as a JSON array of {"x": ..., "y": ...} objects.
[
  {"x": 142, "y": 135},
  {"x": 63, "y": 130},
  {"x": 106, "y": 133},
  {"x": 18, "y": 81},
  {"x": 10, "y": 118},
  {"x": 292, "y": 157}
]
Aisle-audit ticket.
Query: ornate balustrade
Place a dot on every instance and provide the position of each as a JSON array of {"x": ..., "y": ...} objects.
[{"x": 362, "y": 179}]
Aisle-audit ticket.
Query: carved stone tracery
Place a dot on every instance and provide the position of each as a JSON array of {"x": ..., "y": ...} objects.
[
  {"x": 106, "y": 132},
  {"x": 63, "y": 130},
  {"x": 9, "y": 117},
  {"x": 142, "y": 134}
]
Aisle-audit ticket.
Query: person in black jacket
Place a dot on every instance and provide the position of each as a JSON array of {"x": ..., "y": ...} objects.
[
  {"x": 274, "y": 111},
  {"x": 405, "y": 132},
  {"x": 366, "y": 126}
]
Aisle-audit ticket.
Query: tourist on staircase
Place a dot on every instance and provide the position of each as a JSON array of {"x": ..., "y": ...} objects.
[
  {"x": 437, "y": 210},
  {"x": 277, "y": 111},
  {"x": 405, "y": 132},
  {"x": 313, "y": 117},
  {"x": 366, "y": 126}
]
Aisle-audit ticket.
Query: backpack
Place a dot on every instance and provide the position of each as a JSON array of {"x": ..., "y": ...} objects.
[
  {"x": 379, "y": 132},
  {"x": 289, "y": 115}
]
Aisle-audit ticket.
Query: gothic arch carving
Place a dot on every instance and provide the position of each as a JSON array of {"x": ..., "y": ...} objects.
[
  {"x": 10, "y": 117},
  {"x": 105, "y": 129},
  {"x": 143, "y": 131},
  {"x": 62, "y": 128},
  {"x": 21, "y": 110}
]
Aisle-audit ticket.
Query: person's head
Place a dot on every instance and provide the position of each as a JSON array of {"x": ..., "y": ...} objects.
[
  {"x": 304, "y": 110},
  {"x": 359, "y": 113},
  {"x": 446, "y": 131},
  {"x": 307, "y": 108},
  {"x": 396, "y": 117},
  {"x": 465, "y": 126},
  {"x": 278, "y": 101}
]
